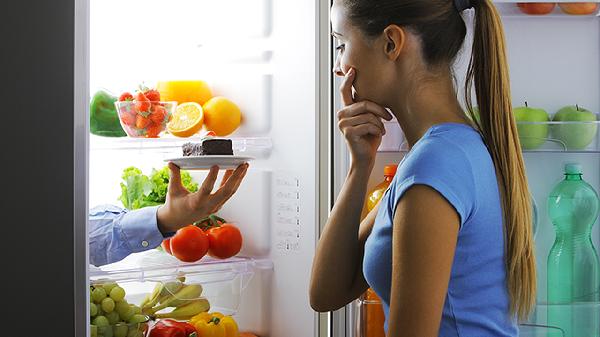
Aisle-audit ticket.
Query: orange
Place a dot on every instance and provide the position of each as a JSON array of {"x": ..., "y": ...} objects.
[
  {"x": 184, "y": 91},
  {"x": 221, "y": 116},
  {"x": 186, "y": 120}
]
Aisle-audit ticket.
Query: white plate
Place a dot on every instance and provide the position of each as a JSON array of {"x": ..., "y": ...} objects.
[{"x": 206, "y": 162}]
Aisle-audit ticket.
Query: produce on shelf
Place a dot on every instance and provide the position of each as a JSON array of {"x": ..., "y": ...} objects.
[
  {"x": 211, "y": 235},
  {"x": 215, "y": 324},
  {"x": 139, "y": 190},
  {"x": 184, "y": 91},
  {"x": 187, "y": 120},
  {"x": 111, "y": 315},
  {"x": 222, "y": 116},
  {"x": 172, "y": 328},
  {"x": 185, "y": 299},
  {"x": 104, "y": 120},
  {"x": 578, "y": 8},
  {"x": 144, "y": 114},
  {"x": 225, "y": 240},
  {"x": 536, "y": 8},
  {"x": 575, "y": 136},
  {"x": 531, "y": 135}
]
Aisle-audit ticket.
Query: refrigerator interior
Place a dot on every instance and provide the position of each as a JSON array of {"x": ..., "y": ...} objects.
[
  {"x": 554, "y": 62},
  {"x": 262, "y": 55}
]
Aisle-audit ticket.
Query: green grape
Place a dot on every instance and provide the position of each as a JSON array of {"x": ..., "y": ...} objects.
[
  {"x": 117, "y": 294},
  {"x": 109, "y": 286},
  {"x": 122, "y": 307},
  {"x": 98, "y": 294},
  {"x": 100, "y": 311},
  {"x": 120, "y": 330},
  {"x": 126, "y": 315},
  {"x": 93, "y": 330},
  {"x": 108, "y": 305},
  {"x": 100, "y": 321},
  {"x": 108, "y": 331},
  {"x": 136, "y": 309},
  {"x": 113, "y": 317},
  {"x": 93, "y": 309},
  {"x": 137, "y": 318},
  {"x": 135, "y": 333}
]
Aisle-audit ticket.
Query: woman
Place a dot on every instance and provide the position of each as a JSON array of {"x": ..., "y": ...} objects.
[{"x": 449, "y": 249}]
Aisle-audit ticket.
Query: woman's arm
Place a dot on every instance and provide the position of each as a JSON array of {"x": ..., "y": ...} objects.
[{"x": 424, "y": 240}]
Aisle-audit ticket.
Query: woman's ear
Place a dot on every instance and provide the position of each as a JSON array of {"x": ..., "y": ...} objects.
[{"x": 394, "y": 41}]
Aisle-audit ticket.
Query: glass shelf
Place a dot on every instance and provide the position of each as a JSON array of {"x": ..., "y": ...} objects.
[
  {"x": 573, "y": 137},
  {"x": 509, "y": 9},
  {"x": 258, "y": 147},
  {"x": 574, "y": 319},
  {"x": 222, "y": 281}
]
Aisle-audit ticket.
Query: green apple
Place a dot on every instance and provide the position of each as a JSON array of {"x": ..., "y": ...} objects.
[
  {"x": 575, "y": 136},
  {"x": 531, "y": 135}
]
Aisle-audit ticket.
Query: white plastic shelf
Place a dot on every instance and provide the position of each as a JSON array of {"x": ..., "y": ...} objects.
[
  {"x": 572, "y": 137},
  {"x": 509, "y": 9}
]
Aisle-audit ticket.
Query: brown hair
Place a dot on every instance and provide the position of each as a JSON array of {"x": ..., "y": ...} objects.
[{"x": 442, "y": 32}]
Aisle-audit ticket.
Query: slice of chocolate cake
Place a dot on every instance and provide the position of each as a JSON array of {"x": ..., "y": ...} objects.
[{"x": 209, "y": 147}]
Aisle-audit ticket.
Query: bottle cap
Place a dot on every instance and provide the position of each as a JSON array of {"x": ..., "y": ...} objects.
[
  {"x": 390, "y": 170},
  {"x": 573, "y": 168}
]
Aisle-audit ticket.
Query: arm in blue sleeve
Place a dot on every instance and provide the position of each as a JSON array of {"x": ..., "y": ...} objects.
[{"x": 116, "y": 232}]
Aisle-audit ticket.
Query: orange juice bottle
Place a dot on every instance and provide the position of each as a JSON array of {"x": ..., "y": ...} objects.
[{"x": 372, "y": 308}]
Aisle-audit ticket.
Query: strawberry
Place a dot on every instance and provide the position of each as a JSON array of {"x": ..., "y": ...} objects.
[
  {"x": 126, "y": 96},
  {"x": 128, "y": 119},
  {"x": 142, "y": 122},
  {"x": 153, "y": 95},
  {"x": 158, "y": 115},
  {"x": 142, "y": 103},
  {"x": 153, "y": 130}
]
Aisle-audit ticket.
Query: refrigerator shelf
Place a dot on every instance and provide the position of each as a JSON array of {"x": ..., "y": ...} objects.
[
  {"x": 259, "y": 147},
  {"x": 539, "y": 324},
  {"x": 571, "y": 136},
  {"x": 509, "y": 9},
  {"x": 222, "y": 281}
]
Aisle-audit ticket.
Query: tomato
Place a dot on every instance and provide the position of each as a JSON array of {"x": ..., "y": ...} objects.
[
  {"x": 153, "y": 95},
  {"x": 189, "y": 244},
  {"x": 126, "y": 96},
  {"x": 141, "y": 122},
  {"x": 166, "y": 245},
  {"x": 142, "y": 103},
  {"x": 158, "y": 114},
  {"x": 225, "y": 241}
]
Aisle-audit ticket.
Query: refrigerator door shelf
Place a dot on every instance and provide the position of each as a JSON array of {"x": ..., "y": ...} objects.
[
  {"x": 222, "y": 281},
  {"x": 258, "y": 147},
  {"x": 563, "y": 320},
  {"x": 567, "y": 136}
]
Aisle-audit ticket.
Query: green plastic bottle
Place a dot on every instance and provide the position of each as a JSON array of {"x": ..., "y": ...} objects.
[{"x": 573, "y": 265}]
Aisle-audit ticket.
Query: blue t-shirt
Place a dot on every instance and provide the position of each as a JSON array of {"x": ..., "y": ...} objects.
[{"x": 453, "y": 159}]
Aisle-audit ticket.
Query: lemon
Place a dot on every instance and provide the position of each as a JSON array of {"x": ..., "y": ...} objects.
[
  {"x": 187, "y": 120},
  {"x": 184, "y": 91},
  {"x": 222, "y": 116}
]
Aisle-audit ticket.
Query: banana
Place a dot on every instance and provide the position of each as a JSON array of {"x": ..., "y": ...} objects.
[
  {"x": 169, "y": 289},
  {"x": 187, "y": 293},
  {"x": 187, "y": 311},
  {"x": 150, "y": 300}
]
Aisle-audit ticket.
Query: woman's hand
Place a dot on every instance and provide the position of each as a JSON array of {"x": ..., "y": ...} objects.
[
  {"x": 183, "y": 207},
  {"x": 360, "y": 122}
]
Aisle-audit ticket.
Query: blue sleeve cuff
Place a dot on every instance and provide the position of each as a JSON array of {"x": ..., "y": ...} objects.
[{"x": 140, "y": 229}]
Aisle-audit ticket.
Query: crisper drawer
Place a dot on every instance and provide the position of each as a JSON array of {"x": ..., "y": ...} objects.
[{"x": 159, "y": 286}]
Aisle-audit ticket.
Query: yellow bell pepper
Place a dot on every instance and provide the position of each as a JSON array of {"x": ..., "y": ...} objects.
[{"x": 214, "y": 324}]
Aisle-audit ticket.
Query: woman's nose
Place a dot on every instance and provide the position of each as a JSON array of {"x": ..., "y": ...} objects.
[{"x": 337, "y": 69}]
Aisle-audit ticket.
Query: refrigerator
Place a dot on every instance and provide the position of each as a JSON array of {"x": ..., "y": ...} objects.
[{"x": 274, "y": 59}]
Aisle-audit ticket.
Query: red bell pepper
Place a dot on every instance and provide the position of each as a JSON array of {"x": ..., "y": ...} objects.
[{"x": 172, "y": 328}]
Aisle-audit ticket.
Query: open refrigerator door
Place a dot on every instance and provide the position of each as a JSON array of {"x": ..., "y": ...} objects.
[
  {"x": 260, "y": 54},
  {"x": 554, "y": 64}
]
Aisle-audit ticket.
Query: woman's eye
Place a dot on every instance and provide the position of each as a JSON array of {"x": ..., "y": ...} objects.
[{"x": 340, "y": 47}]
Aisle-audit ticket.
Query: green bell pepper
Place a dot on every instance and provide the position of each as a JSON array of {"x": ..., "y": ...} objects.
[{"x": 104, "y": 120}]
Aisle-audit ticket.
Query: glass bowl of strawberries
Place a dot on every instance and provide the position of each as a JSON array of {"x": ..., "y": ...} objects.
[{"x": 144, "y": 115}]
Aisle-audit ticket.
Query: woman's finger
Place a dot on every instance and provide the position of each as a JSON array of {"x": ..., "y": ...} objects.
[
  {"x": 231, "y": 185},
  {"x": 346, "y": 87},
  {"x": 361, "y": 131},
  {"x": 364, "y": 107},
  {"x": 362, "y": 119},
  {"x": 226, "y": 176},
  {"x": 175, "y": 185}
]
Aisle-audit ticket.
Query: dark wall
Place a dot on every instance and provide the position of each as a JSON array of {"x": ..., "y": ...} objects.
[{"x": 36, "y": 132}]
